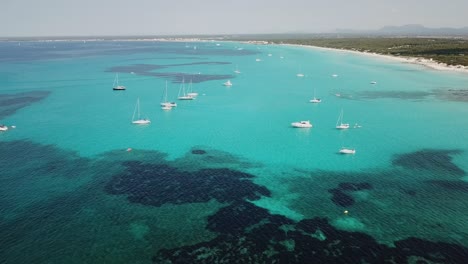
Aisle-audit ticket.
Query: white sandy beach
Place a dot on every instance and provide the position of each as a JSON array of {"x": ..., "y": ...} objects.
[{"x": 420, "y": 61}]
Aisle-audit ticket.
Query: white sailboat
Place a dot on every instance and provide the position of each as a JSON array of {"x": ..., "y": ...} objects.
[
  {"x": 228, "y": 83},
  {"x": 339, "y": 122},
  {"x": 116, "y": 86},
  {"x": 237, "y": 70},
  {"x": 302, "y": 124},
  {"x": 300, "y": 74},
  {"x": 165, "y": 105},
  {"x": 315, "y": 100},
  {"x": 190, "y": 91},
  {"x": 138, "y": 120},
  {"x": 182, "y": 95}
]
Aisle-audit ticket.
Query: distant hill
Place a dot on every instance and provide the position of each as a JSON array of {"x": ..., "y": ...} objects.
[
  {"x": 415, "y": 29},
  {"x": 410, "y": 30}
]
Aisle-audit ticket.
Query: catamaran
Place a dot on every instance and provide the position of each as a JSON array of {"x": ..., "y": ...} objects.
[
  {"x": 116, "y": 86},
  {"x": 138, "y": 120},
  {"x": 190, "y": 91},
  {"x": 339, "y": 122},
  {"x": 182, "y": 95}
]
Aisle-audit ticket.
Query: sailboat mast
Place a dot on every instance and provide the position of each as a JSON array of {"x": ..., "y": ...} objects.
[
  {"x": 134, "y": 111},
  {"x": 138, "y": 104}
]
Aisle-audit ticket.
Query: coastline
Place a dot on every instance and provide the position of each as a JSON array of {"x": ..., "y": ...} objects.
[{"x": 428, "y": 63}]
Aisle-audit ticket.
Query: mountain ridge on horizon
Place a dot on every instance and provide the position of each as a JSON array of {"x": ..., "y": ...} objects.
[{"x": 411, "y": 30}]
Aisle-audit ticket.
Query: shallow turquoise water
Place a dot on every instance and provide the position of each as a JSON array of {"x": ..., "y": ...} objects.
[{"x": 244, "y": 127}]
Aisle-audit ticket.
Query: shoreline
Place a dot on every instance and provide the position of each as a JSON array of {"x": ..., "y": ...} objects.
[{"x": 428, "y": 63}]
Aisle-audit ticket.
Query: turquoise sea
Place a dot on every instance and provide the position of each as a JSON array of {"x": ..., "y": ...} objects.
[{"x": 225, "y": 178}]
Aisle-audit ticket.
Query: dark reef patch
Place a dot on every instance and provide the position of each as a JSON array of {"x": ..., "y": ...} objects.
[
  {"x": 457, "y": 95},
  {"x": 410, "y": 192},
  {"x": 265, "y": 238},
  {"x": 429, "y": 159},
  {"x": 175, "y": 77},
  {"x": 198, "y": 151},
  {"x": 49, "y": 161},
  {"x": 240, "y": 215},
  {"x": 10, "y": 103},
  {"x": 351, "y": 186},
  {"x": 394, "y": 95},
  {"x": 158, "y": 184},
  {"x": 450, "y": 185},
  {"x": 340, "y": 196}
]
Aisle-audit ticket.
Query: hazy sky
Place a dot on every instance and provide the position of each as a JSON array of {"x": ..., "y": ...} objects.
[{"x": 155, "y": 17}]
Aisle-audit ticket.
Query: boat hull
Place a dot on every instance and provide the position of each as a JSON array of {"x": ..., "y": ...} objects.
[
  {"x": 141, "y": 122},
  {"x": 347, "y": 151},
  {"x": 185, "y": 98},
  {"x": 119, "y": 88},
  {"x": 342, "y": 126}
]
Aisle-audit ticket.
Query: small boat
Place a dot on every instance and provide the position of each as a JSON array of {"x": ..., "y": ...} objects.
[
  {"x": 228, "y": 83},
  {"x": 315, "y": 100},
  {"x": 334, "y": 75},
  {"x": 258, "y": 60},
  {"x": 116, "y": 86},
  {"x": 166, "y": 107},
  {"x": 3, "y": 128},
  {"x": 339, "y": 122},
  {"x": 373, "y": 82},
  {"x": 269, "y": 54},
  {"x": 237, "y": 70},
  {"x": 138, "y": 120},
  {"x": 302, "y": 124},
  {"x": 347, "y": 151},
  {"x": 182, "y": 95}
]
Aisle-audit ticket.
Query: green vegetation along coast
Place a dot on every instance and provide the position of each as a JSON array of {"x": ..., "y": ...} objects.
[{"x": 444, "y": 50}]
